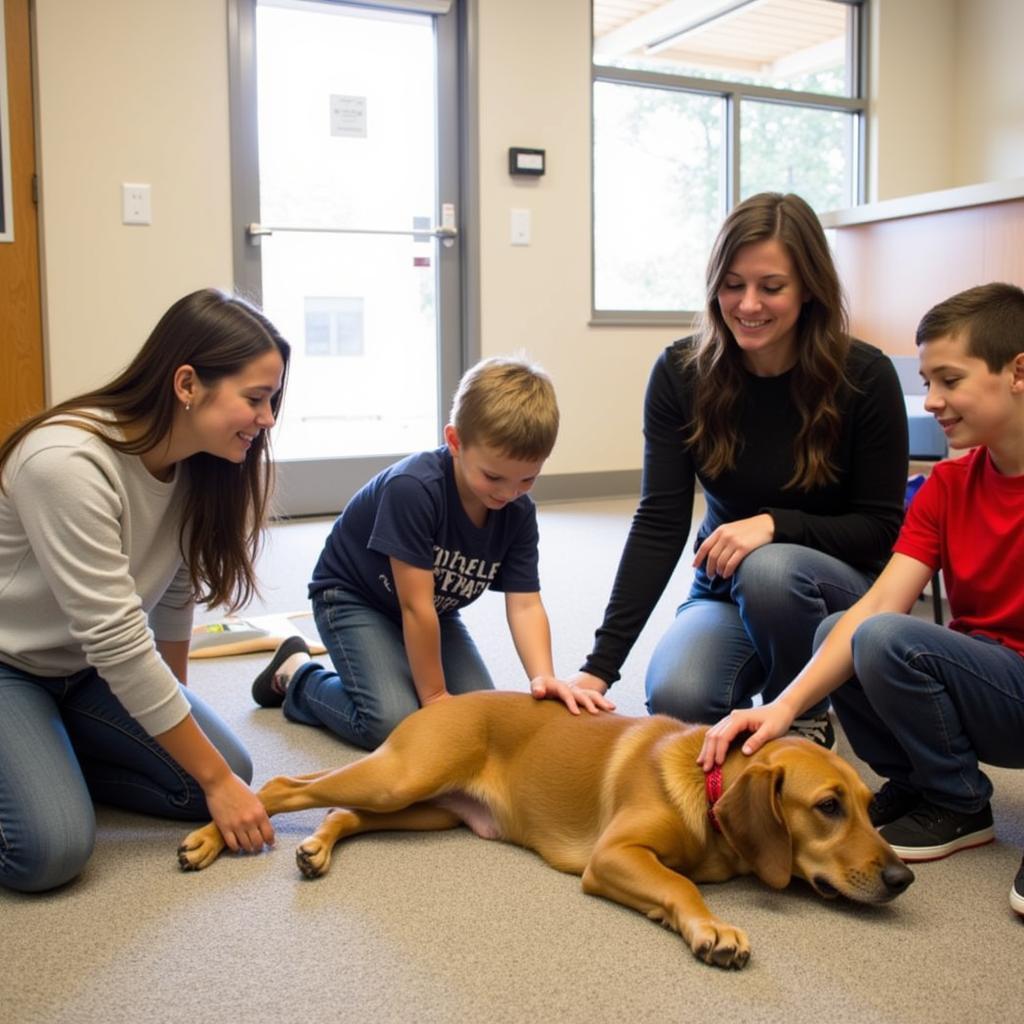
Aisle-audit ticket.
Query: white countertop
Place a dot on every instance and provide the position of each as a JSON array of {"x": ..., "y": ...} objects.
[{"x": 926, "y": 202}]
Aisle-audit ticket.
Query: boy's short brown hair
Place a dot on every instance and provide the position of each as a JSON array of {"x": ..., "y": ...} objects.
[
  {"x": 507, "y": 404},
  {"x": 990, "y": 317}
]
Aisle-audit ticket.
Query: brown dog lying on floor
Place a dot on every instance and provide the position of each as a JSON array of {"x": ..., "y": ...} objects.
[{"x": 620, "y": 801}]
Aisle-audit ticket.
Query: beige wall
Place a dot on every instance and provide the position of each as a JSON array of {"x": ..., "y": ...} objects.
[
  {"x": 911, "y": 141},
  {"x": 127, "y": 92},
  {"x": 132, "y": 91},
  {"x": 947, "y": 82},
  {"x": 990, "y": 91},
  {"x": 535, "y": 91}
]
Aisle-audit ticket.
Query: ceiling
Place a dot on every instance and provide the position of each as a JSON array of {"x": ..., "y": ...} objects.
[{"x": 765, "y": 38}]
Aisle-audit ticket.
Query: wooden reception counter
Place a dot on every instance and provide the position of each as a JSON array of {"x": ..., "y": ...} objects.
[{"x": 898, "y": 257}]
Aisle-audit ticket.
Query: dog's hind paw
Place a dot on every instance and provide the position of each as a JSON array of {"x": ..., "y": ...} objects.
[
  {"x": 720, "y": 944},
  {"x": 313, "y": 857}
]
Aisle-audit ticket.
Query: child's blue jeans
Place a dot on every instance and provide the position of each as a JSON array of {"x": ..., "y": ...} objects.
[
  {"x": 927, "y": 704},
  {"x": 67, "y": 741},
  {"x": 370, "y": 689}
]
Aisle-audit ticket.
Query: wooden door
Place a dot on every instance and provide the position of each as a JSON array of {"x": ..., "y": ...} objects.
[{"x": 21, "y": 335}]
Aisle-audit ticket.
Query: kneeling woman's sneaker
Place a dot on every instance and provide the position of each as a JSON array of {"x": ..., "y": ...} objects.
[
  {"x": 930, "y": 832},
  {"x": 891, "y": 803},
  {"x": 1017, "y": 891}
]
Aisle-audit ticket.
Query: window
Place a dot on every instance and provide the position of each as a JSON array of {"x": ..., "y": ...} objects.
[
  {"x": 334, "y": 327},
  {"x": 698, "y": 104}
]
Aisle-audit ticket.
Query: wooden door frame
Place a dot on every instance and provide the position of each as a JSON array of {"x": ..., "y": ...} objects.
[{"x": 22, "y": 391}]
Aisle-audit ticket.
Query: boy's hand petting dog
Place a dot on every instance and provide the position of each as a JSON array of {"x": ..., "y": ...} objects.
[
  {"x": 763, "y": 723},
  {"x": 574, "y": 694}
]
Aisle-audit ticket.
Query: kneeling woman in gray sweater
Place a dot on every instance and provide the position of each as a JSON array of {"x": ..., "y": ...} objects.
[{"x": 119, "y": 509}]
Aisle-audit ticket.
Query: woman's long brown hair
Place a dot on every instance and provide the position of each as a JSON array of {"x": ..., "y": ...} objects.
[
  {"x": 822, "y": 342},
  {"x": 226, "y": 503}
]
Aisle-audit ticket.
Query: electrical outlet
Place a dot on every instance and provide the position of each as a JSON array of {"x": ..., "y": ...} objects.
[{"x": 136, "y": 204}]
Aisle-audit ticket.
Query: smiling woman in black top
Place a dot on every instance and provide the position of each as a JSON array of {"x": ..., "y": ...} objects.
[{"x": 797, "y": 435}]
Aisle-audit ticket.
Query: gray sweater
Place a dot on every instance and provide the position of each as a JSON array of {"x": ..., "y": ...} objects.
[{"x": 91, "y": 571}]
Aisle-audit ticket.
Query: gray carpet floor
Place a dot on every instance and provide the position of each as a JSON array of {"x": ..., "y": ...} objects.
[{"x": 446, "y": 927}]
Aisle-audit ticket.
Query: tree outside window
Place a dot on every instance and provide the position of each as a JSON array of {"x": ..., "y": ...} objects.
[{"x": 698, "y": 104}]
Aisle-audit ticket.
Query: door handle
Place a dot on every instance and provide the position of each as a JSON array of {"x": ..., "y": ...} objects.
[{"x": 446, "y": 230}]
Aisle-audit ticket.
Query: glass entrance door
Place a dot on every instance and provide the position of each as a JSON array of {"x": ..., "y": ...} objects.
[{"x": 350, "y": 234}]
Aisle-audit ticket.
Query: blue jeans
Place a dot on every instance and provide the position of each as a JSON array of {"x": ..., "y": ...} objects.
[
  {"x": 370, "y": 689},
  {"x": 749, "y": 634},
  {"x": 66, "y": 742},
  {"x": 926, "y": 704}
]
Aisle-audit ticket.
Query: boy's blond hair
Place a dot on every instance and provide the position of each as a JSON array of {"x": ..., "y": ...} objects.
[
  {"x": 507, "y": 404},
  {"x": 990, "y": 317}
]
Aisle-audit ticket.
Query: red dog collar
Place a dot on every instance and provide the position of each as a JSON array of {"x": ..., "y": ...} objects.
[{"x": 713, "y": 789}]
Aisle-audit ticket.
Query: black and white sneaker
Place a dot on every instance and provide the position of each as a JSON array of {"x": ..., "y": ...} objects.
[
  {"x": 891, "y": 802},
  {"x": 1017, "y": 891},
  {"x": 930, "y": 832},
  {"x": 268, "y": 688},
  {"x": 818, "y": 730}
]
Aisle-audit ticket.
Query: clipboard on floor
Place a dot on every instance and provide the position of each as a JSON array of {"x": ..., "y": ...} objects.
[{"x": 248, "y": 634}]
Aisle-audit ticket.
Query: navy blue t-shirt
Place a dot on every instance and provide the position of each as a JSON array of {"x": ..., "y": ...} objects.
[{"x": 412, "y": 511}]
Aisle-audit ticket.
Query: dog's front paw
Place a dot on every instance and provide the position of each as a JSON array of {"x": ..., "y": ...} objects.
[
  {"x": 718, "y": 943},
  {"x": 200, "y": 848}
]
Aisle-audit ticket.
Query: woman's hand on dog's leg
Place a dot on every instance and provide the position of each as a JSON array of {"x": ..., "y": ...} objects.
[{"x": 239, "y": 814}]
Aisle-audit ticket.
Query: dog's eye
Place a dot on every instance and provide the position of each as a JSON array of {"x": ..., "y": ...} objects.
[{"x": 829, "y": 807}]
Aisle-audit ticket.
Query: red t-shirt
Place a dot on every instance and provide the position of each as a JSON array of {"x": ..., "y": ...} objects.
[{"x": 968, "y": 520}]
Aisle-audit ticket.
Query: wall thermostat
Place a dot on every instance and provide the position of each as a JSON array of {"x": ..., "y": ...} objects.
[{"x": 525, "y": 161}]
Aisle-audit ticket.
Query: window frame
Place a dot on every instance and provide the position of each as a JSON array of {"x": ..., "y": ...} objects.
[{"x": 733, "y": 94}]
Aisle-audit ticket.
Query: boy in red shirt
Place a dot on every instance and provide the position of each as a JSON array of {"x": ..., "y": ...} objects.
[{"x": 922, "y": 703}]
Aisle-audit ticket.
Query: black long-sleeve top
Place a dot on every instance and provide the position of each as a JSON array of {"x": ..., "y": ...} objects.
[{"x": 856, "y": 518}]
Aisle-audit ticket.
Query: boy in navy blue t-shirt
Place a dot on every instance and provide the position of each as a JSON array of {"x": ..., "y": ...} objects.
[{"x": 420, "y": 541}]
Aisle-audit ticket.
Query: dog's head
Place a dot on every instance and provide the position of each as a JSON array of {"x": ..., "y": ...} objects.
[{"x": 798, "y": 809}]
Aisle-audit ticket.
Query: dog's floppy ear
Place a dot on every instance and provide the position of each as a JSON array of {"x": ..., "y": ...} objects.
[{"x": 750, "y": 814}]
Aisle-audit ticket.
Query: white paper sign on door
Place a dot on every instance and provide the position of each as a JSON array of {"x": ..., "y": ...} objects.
[{"x": 348, "y": 116}]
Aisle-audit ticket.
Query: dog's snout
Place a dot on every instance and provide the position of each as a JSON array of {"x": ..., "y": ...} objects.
[{"x": 897, "y": 877}]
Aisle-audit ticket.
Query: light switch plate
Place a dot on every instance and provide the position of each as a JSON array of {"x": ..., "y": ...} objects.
[{"x": 519, "y": 223}]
